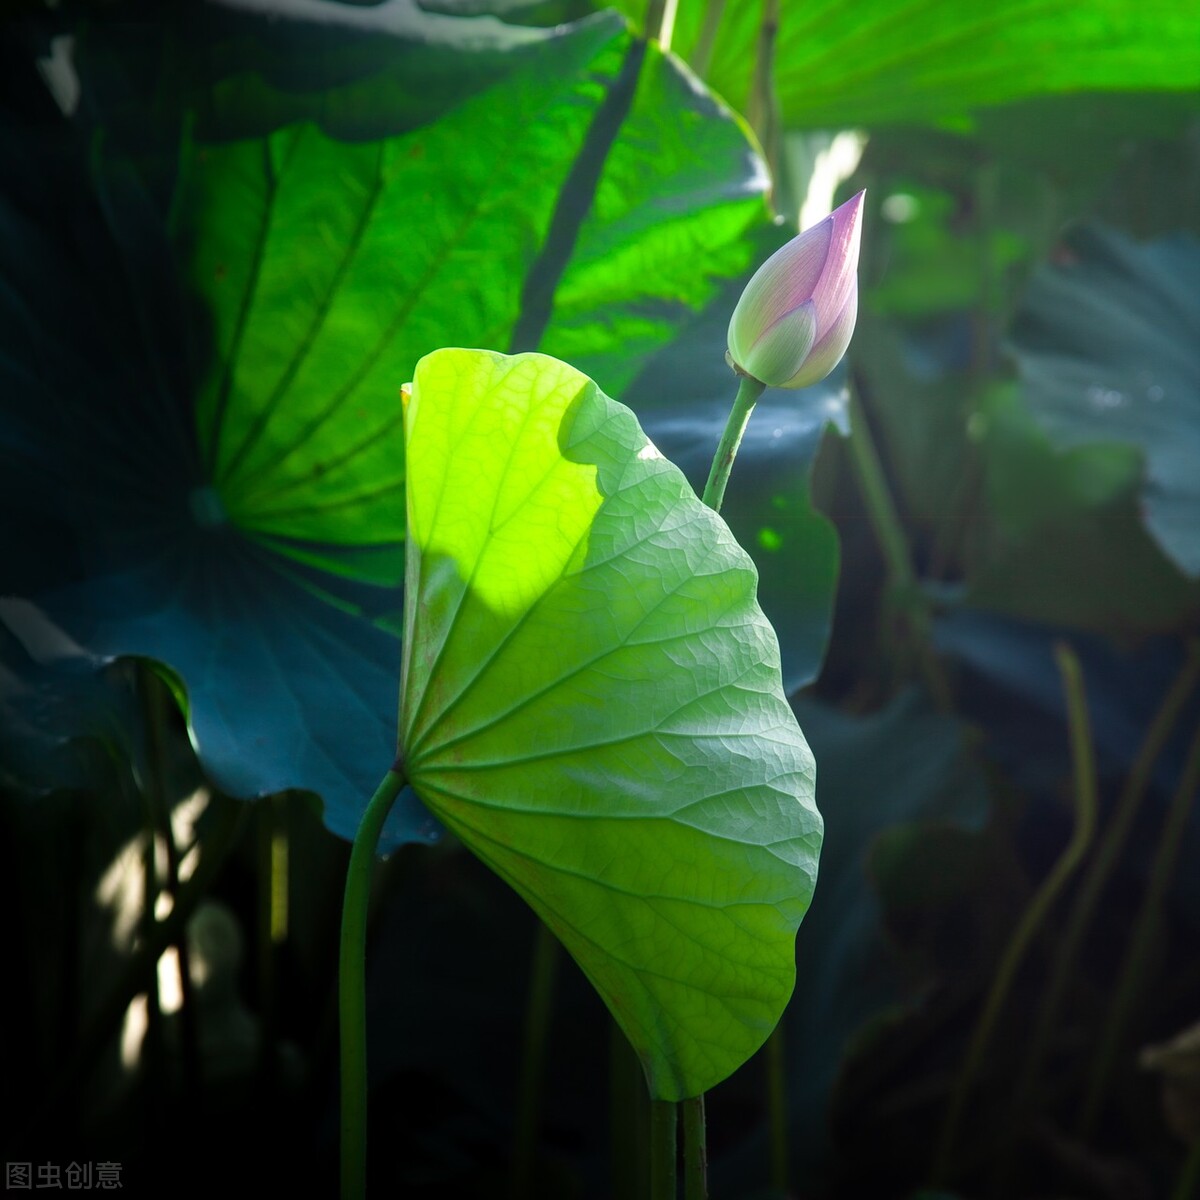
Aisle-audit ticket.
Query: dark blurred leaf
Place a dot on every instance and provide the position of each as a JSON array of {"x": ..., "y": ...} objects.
[
  {"x": 360, "y": 74},
  {"x": 60, "y": 718},
  {"x": 904, "y": 764},
  {"x": 1106, "y": 349},
  {"x": 1061, "y": 538}
]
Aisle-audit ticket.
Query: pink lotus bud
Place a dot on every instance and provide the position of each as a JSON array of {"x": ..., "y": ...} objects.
[{"x": 794, "y": 320}]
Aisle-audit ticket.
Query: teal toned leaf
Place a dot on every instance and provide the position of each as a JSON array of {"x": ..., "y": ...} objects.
[
  {"x": 1106, "y": 348},
  {"x": 884, "y": 61},
  {"x": 592, "y": 702},
  {"x": 901, "y": 766},
  {"x": 1063, "y": 540}
]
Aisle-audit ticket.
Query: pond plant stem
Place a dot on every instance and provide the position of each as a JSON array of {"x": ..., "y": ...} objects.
[
  {"x": 629, "y": 1119},
  {"x": 881, "y": 511},
  {"x": 747, "y": 396},
  {"x": 1108, "y": 853},
  {"x": 660, "y": 22},
  {"x": 542, "y": 974},
  {"x": 695, "y": 1149},
  {"x": 155, "y": 698},
  {"x": 1144, "y": 935},
  {"x": 777, "y": 1110},
  {"x": 1187, "y": 1186},
  {"x": 664, "y": 1118},
  {"x": 701, "y": 58},
  {"x": 1084, "y": 775},
  {"x": 352, "y": 1000},
  {"x": 762, "y": 105}
]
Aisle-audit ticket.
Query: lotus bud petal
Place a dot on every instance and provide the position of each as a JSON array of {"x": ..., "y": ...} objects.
[{"x": 794, "y": 320}]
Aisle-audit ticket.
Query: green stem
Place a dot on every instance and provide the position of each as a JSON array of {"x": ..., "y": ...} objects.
[
  {"x": 352, "y": 998},
  {"x": 1084, "y": 772},
  {"x": 777, "y": 1106},
  {"x": 154, "y": 694},
  {"x": 881, "y": 511},
  {"x": 1144, "y": 932},
  {"x": 663, "y": 1149},
  {"x": 629, "y": 1119},
  {"x": 1107, "y": 855},
  {"x": 701, "y": 60},
  {"x": 1187, "y": 1186},
  {"x": 695, "y": 1150},
  {"x": 748, "y": 393},
  {"x": 660, "y": 22},
  {"x": 533, "y": 1059},
  {"x": 272, "y": 924},
  {"x": 762, "y": 107}
]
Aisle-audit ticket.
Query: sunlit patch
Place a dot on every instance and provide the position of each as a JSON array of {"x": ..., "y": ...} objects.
[
  {"x": 490, "y": 487},
  {"x": 122, "y": 890},
  {"x": 122, "y": 887},
  {"x": 649, "y": 452},
  {"x": 133, "y": 1031}
]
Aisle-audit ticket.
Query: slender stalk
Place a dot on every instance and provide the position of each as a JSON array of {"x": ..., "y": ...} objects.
[
  {"x": 762, "y": 107},
  {"x": 153, "y": 1050},
  {"x": 1187, "y": 1186},
  {"x": 695, "y": 1150},
  {"x": 1108, "y": 853},
  {"x": 663, "y": 1149},
  {"x": 1084, "y": 771},
  {"x": 777, "y": 1106},
  {"x": 701, "y": 60},
  {"x": 533, "y": 1060},
  {"x": 629, "y": 1119},
  {"x": 881, "y": 511},
  {"x": 352, "y": 1000},
  {"x": 660, "y": 22},
  {"x": 1145, "y": 930},
  {"x": 154, "y": 697},
  {"x": 273, "y": 854},
  {"x": 747, "y": 396}
]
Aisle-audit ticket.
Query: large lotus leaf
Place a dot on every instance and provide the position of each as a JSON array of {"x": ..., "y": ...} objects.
[
  {"x": 1106, "y": 349},
  {"x": 362, "y": 71},
  {"x": 884, "y": 61},
  {"x": 592, "y": 702},
  {"x": 427, "y": 238},
  {"x": 218, "y": 486}
]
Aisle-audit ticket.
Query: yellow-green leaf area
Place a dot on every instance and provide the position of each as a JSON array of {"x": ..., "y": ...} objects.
[
  {"x": 537, "y": 514},
  {"x": 592, "y": 702}
]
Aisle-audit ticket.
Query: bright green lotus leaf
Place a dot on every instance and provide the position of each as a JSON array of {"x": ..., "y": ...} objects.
[
  {"x": 591, "y": 700},
  {"x": 594, "y": 199},
  {"x": 879, "y": 62}
]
